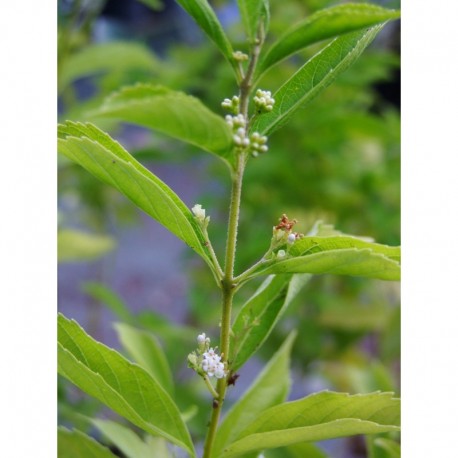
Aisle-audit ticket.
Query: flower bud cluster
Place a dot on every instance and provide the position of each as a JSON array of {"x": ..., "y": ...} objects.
[
  {"x": 238, "y": 126},
  {"x": 282, "y": 234},
  {"x": 263, "y": 100},
  {"x": 231, "y": 105},
  {"x": 199, "y": 214},
  {"x": 240, "y": 56},
  {"x": 255, "y": 143},
  {"x": 258, "y": 144},
  {"x": 206, "y": 361}
]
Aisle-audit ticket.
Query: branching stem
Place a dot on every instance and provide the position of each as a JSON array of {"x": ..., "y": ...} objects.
[{"x": 228, "y": 284}]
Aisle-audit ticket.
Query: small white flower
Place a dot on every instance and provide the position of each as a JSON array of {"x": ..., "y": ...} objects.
[
  {"x": 291, "y": 238},
  {"x": 237, "y": 140},
  {"x": 281, "y": 254},
  {"x": 199, "y": 212},
  {"x": 201, "y": 338},
  {"x": 219, "y": 371}
]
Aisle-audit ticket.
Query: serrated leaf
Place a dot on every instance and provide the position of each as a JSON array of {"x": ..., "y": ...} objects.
[
  {"x": 317, "y": 244},
  {"x": 75, "y": 245},
  {"x": 124, "y": 438},
  {"x": 260, "y": 313},
  {"x": 349, "y": 261},
  {"x": 145, "y": 350},
  {"x": 252, "y": 12},
  {"x": 124, "y": 387},
  {"x": 206, "y": 19},
  {"x": 107, "y": 160},
  {"x": 317, "y": 74},
  {"x": 327, "y": 23},
  {"x": 110, "y": 299},
  {"x": 173, "y": 113},
  {"x": 321, "y": 416},
  {"x": 270, "y": 388},
  {"x": 104, "y": 58},
  {"x": 75, "y": 444}
]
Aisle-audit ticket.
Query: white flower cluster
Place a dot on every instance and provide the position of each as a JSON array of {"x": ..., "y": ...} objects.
[
  {"x": 212, "y": 365},
  {"x": 263, "y": 100},
  {"x": 231, "y": 104}
]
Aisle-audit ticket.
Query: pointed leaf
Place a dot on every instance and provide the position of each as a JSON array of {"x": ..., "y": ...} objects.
[
  {"x": 124, "y": 438},
  {"x": 104, "y": 58},
  {"x": 270, "y": 388},
  {"x": 327, "y": 23},
  {"x": 252, "y": 12},
  {"x": 206, "y": 19},
  {"x": 317, "y": 74},
  {"x": 145, "y": 349},
  {"x": 173, "y": 113},
  {"x": 260, "y": 313},
  {"x": 310, "y": 245},
  {"x": 107, "y": 160},
  {"x": 124, "y": 387},
  {"x": 75, "y": 245},
  {"x": 349, "y": 261},
  {"x": 321, "y": 416},
  {"x": 75, "y": 444}
]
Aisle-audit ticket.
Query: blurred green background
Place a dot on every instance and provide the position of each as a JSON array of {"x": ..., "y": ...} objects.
[{"x": 336, "y": 161}]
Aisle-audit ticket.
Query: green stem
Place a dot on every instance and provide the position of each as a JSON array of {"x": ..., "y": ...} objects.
[
  {"x": 228, "y": 284},
  {"x": 210, "y": 388}
]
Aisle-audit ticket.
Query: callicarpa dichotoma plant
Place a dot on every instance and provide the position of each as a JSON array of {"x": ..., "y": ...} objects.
[{"x": 260, "y": 420}]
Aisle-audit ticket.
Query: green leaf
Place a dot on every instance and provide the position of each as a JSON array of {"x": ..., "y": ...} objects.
[
  {"x": 145, "y": 349},
  {"x": 206, "y": 19},
  {"x": 109, "y": 298},
  {"x": 173, "y": 113},
  {"x": 75, "y": 444},
  {"x": 107, "y": 160},
  {"x": 123, "y": 438},
  {"x": 252, "y": 12},
  {"x": 392, "y": 448},
  {"x": 321, "y": 416},
  {"x": 104, "y": 58},
  {"x": 327, "y": 23},
  {"x": 260, "y": 313},
  {"x": 315, "y": 244},
  {"x": 350, "y": 261},
  {"x": 74, "y": 245},
  {"x": 317, "y": 74},
  {"x": 124, "y": 387},
  {"x": 301, "y": 450},
  {"x": 270, "y": 388}
]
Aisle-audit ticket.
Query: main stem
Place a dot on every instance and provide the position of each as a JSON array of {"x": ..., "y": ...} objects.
[
  {"x": 227, "y": 283},
  {"x": 228, "y": 290}
]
